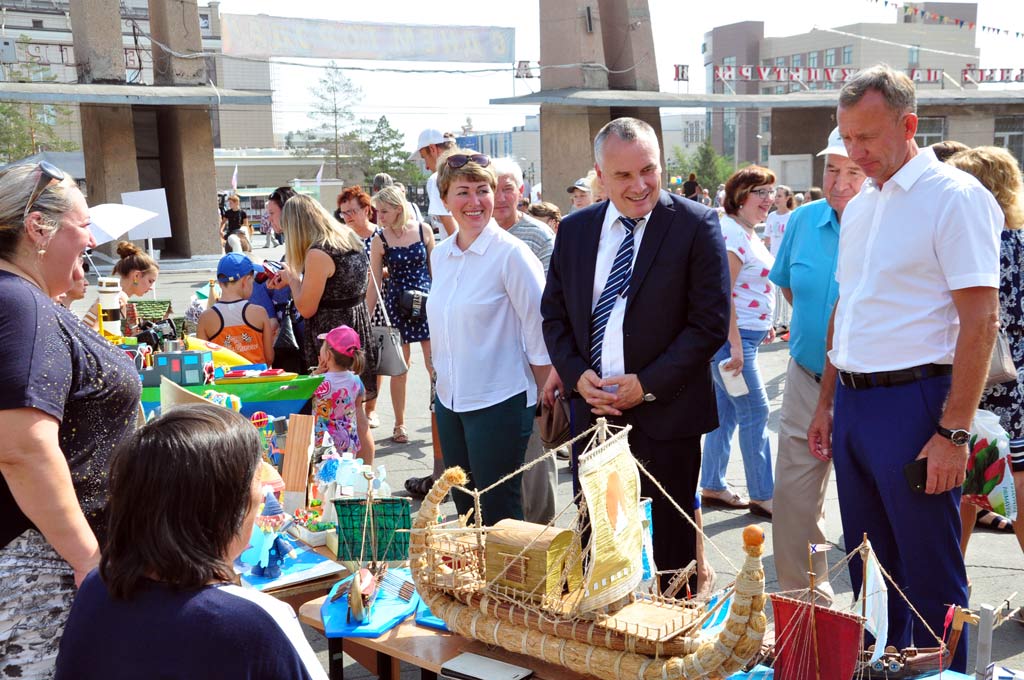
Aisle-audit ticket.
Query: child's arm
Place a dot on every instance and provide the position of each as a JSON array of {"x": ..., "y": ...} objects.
[
  {"x": 367, "y": 447},
  {"x": 203, "y": 325},
  {"x": 258, "y": 318}
]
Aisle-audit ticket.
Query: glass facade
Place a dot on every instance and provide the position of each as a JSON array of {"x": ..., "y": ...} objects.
[{"x": 930, "y": 130}]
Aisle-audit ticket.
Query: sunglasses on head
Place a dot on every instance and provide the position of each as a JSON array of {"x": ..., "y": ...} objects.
[
  {"x": 456, "y": 161},
  {"x": 48, "y": 172}
]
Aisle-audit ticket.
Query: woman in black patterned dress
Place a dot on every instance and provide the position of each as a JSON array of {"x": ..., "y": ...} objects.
[
  {"x": 997, "y": 170},
  {"x": 326, "y": 268}
]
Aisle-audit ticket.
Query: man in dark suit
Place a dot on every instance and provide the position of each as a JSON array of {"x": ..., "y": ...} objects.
[{"x": 636, "y": 304}]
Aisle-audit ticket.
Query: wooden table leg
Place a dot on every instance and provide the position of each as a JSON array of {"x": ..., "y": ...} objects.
[
  {"x": 335, "y": 658},
  {"x": 385, "y": 670},
  {"x": 427, "y": 675}
]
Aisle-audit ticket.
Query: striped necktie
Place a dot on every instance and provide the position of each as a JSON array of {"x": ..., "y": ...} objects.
[{"x": 616, "y": 284}]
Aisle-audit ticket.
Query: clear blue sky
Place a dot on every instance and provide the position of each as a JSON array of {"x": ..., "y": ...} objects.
[{"x": 412, "y": 102}]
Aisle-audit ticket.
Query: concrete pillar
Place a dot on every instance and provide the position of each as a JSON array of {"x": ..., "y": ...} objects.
[
  {"x": 567, "y": 147},
  {"x": 190, "y": 179},
  {"x": 96, "y": 32},
  {"x": 176, "y": 25},
  {"x": 629, "y": 45},
  {"x": 569, "y": 36},
  {"x": 108, "y": 144}
]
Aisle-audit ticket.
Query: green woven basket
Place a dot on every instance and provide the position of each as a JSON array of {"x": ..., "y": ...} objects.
[{"x": 392, "y": 520}]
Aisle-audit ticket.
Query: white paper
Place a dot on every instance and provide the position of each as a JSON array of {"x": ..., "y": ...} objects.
[
  {"x": 155, "y": 201},
  {"x": 109, "y": 221}
]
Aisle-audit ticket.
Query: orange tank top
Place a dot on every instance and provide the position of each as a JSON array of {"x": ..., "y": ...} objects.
[{"x": 236, "y": 333}]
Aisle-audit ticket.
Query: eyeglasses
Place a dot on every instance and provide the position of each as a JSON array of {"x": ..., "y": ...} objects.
[
  {"x": 48, "y": 172},
  {"x": 763, "y": 193},
  {"x": 456, "y": 161}
]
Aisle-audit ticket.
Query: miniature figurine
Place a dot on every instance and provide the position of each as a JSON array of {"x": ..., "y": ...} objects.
[{"x": 267, "y": 546}]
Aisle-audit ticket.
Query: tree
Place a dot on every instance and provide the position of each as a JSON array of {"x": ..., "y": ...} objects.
[
  {"x": 679, "y": 163},
  {"x": 333, "y": 96},
  {"x": 711, "y": 168},
  {"x": 30, "y": 128},
  {"x": 385, "y": 153}
]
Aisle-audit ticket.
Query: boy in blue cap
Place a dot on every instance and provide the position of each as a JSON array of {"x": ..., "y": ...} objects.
[{"x": 233, "y": 322}]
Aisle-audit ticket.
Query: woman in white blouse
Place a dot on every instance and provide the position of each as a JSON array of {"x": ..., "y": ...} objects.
[{"x": 485, "y": 330}]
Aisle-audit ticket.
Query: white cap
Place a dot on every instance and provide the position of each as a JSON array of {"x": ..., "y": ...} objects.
[
  {"x": 427, "y": 137},
  {"x": 835, "y": 145}
]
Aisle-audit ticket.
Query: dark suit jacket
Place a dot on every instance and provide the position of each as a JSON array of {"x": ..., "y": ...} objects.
[{"x": 677, "y": 311}]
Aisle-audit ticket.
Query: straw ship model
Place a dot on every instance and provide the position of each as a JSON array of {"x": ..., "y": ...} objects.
[{"x": 598, "y": 618}]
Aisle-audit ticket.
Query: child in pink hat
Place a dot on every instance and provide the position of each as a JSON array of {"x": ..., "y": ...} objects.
[{"x": 338, "y": 401}]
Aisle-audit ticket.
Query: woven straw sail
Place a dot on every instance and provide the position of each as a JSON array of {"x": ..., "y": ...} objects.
[{"x": 611, "y": 486}]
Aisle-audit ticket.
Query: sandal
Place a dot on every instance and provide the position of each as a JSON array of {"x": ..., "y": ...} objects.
[
  {"x": 993, "y": 520},
  {"x": 400, "y": 436},
  {"x": 761, "y": 508},
  {"x": 373, "y": 419},
  {"x": 726, "y": 498},
  {"x": 419, "y": 486}
]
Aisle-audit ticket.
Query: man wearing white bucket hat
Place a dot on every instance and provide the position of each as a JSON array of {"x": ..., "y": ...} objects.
[{"x": 804, "y": 271}]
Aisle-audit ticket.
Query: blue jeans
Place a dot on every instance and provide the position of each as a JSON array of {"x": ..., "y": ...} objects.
[{"x": 750, "y": 414}]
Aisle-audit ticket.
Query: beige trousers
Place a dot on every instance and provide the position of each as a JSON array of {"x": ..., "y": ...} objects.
[{"x": 800, "y": 484}]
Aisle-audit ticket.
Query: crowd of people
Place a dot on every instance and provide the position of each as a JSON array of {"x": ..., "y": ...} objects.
[{"x": 648, "y": 309}]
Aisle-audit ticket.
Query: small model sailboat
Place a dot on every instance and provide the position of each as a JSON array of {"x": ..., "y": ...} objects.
[{"x": 537, "y": 590}]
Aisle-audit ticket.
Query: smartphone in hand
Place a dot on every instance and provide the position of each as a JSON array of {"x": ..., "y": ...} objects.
[{"x": 916, "y": 473}]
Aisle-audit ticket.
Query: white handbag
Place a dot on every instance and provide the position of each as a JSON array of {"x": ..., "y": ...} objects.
[
  {"x": 390, "y": 359},
  {"x": 1001, "y": 368}
]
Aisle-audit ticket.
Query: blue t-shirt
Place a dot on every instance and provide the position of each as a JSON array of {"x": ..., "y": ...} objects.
[
  {"x": 806, "y": 264},
  {"x": 224, "y": 631}
]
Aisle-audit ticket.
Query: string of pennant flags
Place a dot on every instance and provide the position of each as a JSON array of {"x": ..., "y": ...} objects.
[{"x": 909, "y": 10}]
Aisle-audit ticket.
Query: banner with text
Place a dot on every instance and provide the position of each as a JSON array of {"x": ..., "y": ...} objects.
[
  {"x": 808, "y": 74},
  {"x": 992, "y": 75},
  {"x": 247, "y": 35}
]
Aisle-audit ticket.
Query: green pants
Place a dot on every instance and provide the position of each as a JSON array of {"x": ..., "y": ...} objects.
[{"x": 488, "y": 444}]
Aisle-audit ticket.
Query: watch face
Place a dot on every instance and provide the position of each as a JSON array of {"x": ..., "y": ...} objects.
[{"x": 960, "y": 437}]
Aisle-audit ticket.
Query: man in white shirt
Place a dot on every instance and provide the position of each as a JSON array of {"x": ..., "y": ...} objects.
[
  {"x": 635, "y": 306},
  {"x": 540, "y": 482},
  {"x": 910, "y": 340}
]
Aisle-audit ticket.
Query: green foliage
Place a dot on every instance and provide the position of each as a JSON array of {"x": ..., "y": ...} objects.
[
  {"x": 679, "y": 163},
  {"x": 379, "y": 148},
  {"x": 711, "y": 168},
  {"x": 333, "y": 96},
  {"x": 26, "y": 129}
]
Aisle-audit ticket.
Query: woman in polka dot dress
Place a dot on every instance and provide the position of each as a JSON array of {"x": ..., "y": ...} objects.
[
  {"x": 403, "y": 245},
  {"x": 748, "y": 197}
]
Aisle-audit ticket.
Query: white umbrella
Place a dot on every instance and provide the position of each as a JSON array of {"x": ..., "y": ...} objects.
[{"x": 110, "y": 221}]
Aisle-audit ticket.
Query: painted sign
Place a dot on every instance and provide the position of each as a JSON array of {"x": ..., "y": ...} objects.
[
  {"x": 807, "y": 74},
  {"x": 992, "y": 75}
]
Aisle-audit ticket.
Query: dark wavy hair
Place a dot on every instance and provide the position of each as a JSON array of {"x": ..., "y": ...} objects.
[
  {"x": 739, "y": 185},
  {"x": 180, "y": 489}
]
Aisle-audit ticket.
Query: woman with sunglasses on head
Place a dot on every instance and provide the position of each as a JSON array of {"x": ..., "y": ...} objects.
[
  {"x": 749, "y": 193},
  {"x": 69, "y": 397},
  {"x": 403, "y": 245},
  {"x": 488, "y": 348}
]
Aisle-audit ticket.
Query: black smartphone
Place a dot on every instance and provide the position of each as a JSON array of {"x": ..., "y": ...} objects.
[{"x": 916, "y": 473}]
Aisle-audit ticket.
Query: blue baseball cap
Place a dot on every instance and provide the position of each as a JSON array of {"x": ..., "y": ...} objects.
[{"x": 233, "y": 266}]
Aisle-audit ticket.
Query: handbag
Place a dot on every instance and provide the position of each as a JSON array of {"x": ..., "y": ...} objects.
[
  {"x": 388, "y": 339},
  {"x": 286, "y": 331},
  {"x": 554, "y": 423},
  {"x": 413, "y": 304},
  {"x": 1001, "y": 368}
]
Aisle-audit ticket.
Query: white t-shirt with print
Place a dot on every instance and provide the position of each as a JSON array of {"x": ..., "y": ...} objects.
[
  {"x": 774, "y": 228},
  {"x": 753, "y": 294}
]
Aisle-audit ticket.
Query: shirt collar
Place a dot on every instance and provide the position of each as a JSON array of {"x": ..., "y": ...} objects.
[
  {"x": 906, "y": 176},
  {"x": 479, "y": 246},
  {"x": 612, "y": 215}
]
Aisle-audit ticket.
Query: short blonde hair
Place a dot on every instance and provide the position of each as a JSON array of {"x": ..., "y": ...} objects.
[
  {"x": 473, "y": 171},
  {"x": 393, "y": 196},
  {"x": 16, "y": 186},
  {"x": 997, "y": 170},
  {"x": 307, "y": 223}
]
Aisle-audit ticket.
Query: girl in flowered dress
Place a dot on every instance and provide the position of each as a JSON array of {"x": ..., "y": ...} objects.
[{"x": 338, "y": 401}]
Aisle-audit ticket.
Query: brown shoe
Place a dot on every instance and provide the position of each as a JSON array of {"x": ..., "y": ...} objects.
[{"x": 726, "y": 498}]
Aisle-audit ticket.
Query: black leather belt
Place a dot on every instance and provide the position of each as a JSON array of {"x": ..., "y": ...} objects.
[
  {"x": 863, "y": 381},
  {"x": 344, "y": 303},
  {"x": 809, "y": 372}
]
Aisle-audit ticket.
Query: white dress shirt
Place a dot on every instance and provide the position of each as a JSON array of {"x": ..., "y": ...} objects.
[
  {"x": 485, "y": 322},
  {"x": 931, "y": 229},
  {"x": 613, "y": 360}
]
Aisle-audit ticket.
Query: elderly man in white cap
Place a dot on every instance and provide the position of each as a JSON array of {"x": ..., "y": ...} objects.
[
  {"x": 432, "y": 144},
  {"x": 804, "y": 271}
]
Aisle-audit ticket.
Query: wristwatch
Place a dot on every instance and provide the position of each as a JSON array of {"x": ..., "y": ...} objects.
[
  {"x": 648, "y": 397},
  {"x": 958, "y": 437}
]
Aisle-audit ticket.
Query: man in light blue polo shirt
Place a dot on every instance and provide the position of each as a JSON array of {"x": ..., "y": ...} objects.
[{"x": 805, "y": 273}]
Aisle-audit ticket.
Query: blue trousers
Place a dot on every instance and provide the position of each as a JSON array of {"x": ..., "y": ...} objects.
[
  {"x": 750, "y": 414},
  {"x": 488, "y": 444},
  {"x": 916, "y": 536}
]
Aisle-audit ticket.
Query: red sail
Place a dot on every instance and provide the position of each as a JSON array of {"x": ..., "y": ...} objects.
[{"x": 840, "y": 637}]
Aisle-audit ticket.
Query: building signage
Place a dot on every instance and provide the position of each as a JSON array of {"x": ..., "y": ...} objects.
[
  {"x": 682, "y": 72},
  {"x": 797, "y": 74},
  {"x": 992, "y": 75}
]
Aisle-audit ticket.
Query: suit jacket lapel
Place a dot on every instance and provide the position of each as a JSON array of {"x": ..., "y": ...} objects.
[
  {"x": 654, "y": 234},
  {"x": 587, "y": 261}
]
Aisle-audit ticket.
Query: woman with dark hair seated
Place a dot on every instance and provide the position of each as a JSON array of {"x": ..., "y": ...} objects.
[{"x": 166, "y": 571}]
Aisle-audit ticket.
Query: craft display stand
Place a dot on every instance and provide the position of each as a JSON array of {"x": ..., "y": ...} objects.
[{"x": 425, "y": 648}]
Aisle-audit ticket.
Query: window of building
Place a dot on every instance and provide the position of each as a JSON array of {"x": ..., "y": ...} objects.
[
  {"x": 729, "y": 120},
  {"x": 914, "y": 56},
  {"x": 847, "y": 54},
  {"x": 780, "y": 89},
  {"x": 930, "y": 130},
  {"x": 1010, "y": 135},
  {"x": 813, "y": 85},
  {"x": 830, "y": 57},
  {"x": 37, "y": 23},
  {"x": 780, "y": 61},
  {"x": 766, "y": 124},
  {"x": 764, "y": 154},
  {"x": 812, "y": 59},
  {"x": 766, "y": 90},
  {"x": 797, "y": 60}
]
